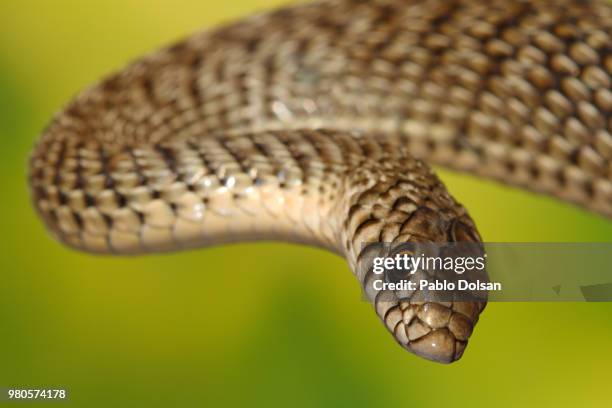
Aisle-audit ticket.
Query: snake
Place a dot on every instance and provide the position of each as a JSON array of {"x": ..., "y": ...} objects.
[{"x": 317, "y": 123}]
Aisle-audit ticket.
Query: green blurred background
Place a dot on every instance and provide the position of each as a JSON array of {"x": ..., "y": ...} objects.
[{"x": 261, "y": 324}]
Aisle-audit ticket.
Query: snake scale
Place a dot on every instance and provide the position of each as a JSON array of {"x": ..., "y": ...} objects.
[{"x": 313, "y": 124}]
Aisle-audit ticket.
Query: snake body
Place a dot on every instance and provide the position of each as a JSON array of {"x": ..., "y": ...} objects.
[{"x": 312, "y": 124}]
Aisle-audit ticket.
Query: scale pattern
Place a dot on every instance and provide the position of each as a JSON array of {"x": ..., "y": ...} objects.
[{"x": 313, "y": 124}]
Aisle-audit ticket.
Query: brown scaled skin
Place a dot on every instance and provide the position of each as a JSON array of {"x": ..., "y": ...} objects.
[{"x": 308, "y": 125}]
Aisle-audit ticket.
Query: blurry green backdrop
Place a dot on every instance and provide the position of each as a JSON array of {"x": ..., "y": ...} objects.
[{"x": 280, "y": 324}]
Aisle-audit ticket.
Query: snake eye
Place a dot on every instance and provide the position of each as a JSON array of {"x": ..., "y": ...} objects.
[{"x": 460, "y": 232}]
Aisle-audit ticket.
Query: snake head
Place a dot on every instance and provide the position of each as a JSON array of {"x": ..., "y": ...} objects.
[{"x": 435, "y": 325}]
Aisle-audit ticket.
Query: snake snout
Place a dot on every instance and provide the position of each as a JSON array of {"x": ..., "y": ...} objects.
[
  {"x": 437, "y": 331},
  {"x": 439, "y": 345}
]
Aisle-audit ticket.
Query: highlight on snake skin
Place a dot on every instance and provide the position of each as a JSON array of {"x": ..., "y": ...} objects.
[{"x": 318, "y": 123}]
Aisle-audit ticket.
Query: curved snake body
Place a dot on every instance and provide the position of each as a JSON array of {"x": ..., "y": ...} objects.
[{"x": 309, "y": 124}]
